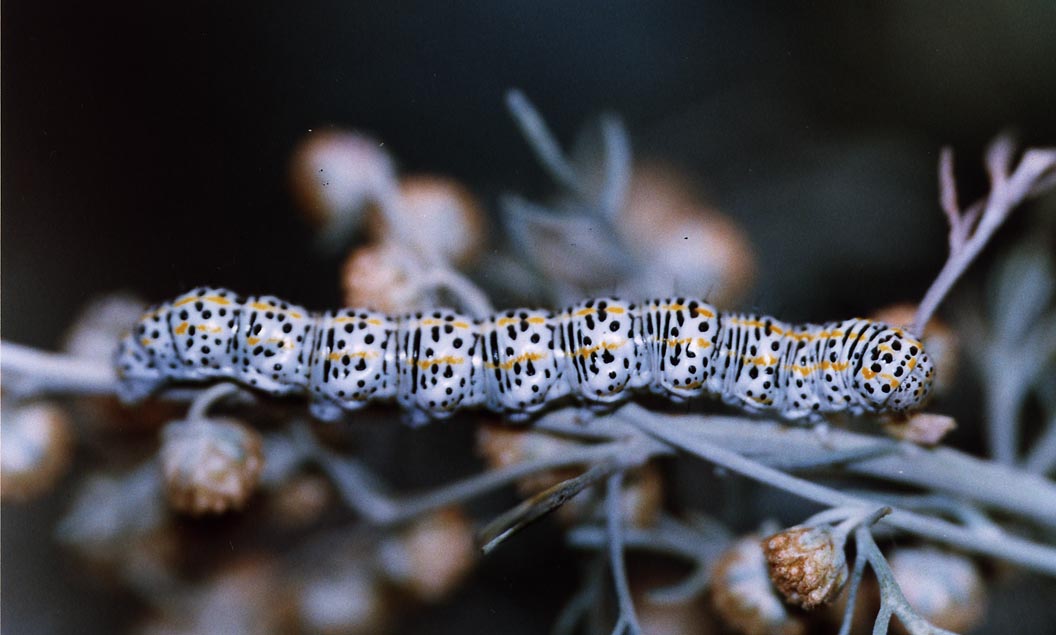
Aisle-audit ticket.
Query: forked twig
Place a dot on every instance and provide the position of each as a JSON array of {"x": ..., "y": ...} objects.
[{"x": 971, "y": 229}]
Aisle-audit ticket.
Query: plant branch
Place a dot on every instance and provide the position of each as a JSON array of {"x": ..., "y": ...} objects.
[
  {"x": 892, "y": 601},
  {"x": 967, "y": 236},
  {"x": 614, "y": 528},
  {"x": 543, "y": 143},
  {"x": 30, "y": 371},
  {"x": 1031, "y": 555}
]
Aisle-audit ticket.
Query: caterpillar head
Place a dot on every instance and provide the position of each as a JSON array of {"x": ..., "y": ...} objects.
[
  {"x": 137, "y": 373},
  {"x": 895, "y": 373}
]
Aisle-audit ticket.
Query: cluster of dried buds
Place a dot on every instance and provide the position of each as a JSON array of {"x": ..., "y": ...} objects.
[
  {"x": 358, "y": 584},
  {"x": 684, "y": 244},
  {"x": 345, "y": 181}
]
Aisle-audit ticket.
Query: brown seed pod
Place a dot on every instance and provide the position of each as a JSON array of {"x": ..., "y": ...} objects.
[
  {"x": 944, "y": 588},
  {"x": 442, "y": 213},
  {"x": 379, "y": 276},
  {"x": 938, "y": 338},
  {"x": 923, "y": 428},
  {"x": 210, "y": 465},
  {"x": 337, "y": 174},
  {"x": 431, "y": 557},
  {"x": 36, "y": 450},
  {"x": 301, "y": 500},
  {"x": 743, "y": 596},
  {"x": 686, "y": 247},
  {"x": 807, "y": 564}
]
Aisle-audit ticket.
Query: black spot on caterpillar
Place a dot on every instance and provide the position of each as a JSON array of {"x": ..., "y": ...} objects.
[{"x": 517, "y": 362}]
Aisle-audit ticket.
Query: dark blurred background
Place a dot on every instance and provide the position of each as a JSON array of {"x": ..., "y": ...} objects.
[{"x": 146, "y": 148}]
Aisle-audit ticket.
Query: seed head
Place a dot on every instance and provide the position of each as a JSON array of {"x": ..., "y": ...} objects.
[
  {"x": 807, "y": 564},
  {"x": 378, "y": 276},
  {"x": 441, "y": 212},
  {"x": 432, "y": 556},
  {"x": 944, "y": 588},
  {"x": 210, "y": 465},
  {"x": 337, "y": 174}
]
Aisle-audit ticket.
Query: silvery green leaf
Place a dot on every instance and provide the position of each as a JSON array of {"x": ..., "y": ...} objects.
[
  {"x": 1020, "y": 291},
  {"x": 545, "y": 146},
  {"x": 570, "y": 246},
  {"x": 601, "y": 157}
]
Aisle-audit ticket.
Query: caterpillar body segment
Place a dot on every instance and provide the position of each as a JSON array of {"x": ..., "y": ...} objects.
[{"x": 517, "y": 362}]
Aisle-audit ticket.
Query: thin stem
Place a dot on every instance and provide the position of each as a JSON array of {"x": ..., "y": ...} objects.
[
  {"x": 358, "y": 488},
  {"x": 537, "y": 506},
  {"x": 585, "y": 597},
  {"x": 208, "y": 398},
  {"x": 617, "y": 166},
  {"x": 891, "y": 598},
  {"x": 852, "y": 593},
  {"x": 669, "y": 537},
  {"x": 542, "y": 141},
  {"x": 361, "y": 490},
  {"x": 948, "y": 198},
  {"x": 469, "y": 296},
  {"x": 614, "y": 526}
]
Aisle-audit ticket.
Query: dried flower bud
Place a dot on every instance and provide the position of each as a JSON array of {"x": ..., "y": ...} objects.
[
  {"x": 36, "y": 450},
  {"x": 922, "y": 427},
  {"x": 938, "y": 338},
  {"x": 379, "y": 277},
  {"x": 441, "y": 212},
  {"x": 346, "y": 600},
  {"x": 336, "y": 174},
  {"x": 743, "y": 595},
  {"x": 430, "y": 558},
  {"x": 685, "y": 246},
  {"x": 301, "y": 500},
  {"x": 807, "y": 564},
  {"x": 944, "y": 588},
  {"x": 210, "y": 465}
]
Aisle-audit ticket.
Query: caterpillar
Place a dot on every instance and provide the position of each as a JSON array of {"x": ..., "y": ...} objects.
[{"x": 517, "y": 362}]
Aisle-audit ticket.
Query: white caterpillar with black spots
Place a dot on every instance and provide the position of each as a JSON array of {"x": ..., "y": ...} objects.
[{"x": 517, "y": 362}]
